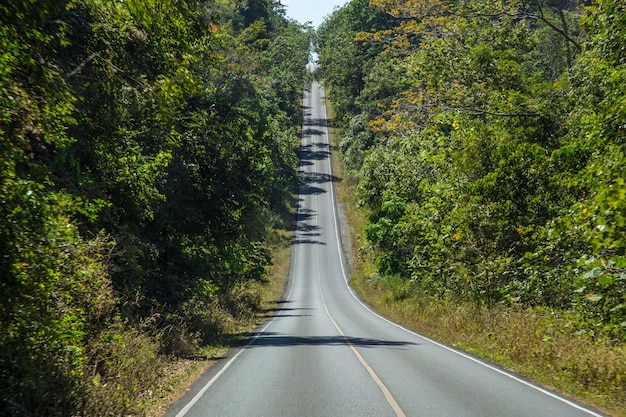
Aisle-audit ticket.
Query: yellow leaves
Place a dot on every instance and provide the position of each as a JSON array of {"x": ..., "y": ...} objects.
[
  {"x": 21, "y": 267},
  {"x": 375, "y": 37},
  {"x": 391, "y": 123},
  {"x": 377, "y": 124}
]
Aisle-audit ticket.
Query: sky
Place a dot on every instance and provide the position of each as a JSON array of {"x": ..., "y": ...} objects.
[{"x": 311, "y": 10}]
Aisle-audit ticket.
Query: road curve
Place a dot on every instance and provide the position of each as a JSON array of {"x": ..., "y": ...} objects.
[{"x": 324, "y": 353}]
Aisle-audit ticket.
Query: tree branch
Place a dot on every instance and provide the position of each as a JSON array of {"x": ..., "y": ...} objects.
[
  {"x": 540, "y": 17},
  {"x": 554, "y": 27},
  {"x": 479, "y": 111}
]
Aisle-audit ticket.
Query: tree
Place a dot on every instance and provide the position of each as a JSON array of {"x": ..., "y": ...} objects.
[
  {"x": 147, "y": 149},
  {"x": 490, "y": 169}
]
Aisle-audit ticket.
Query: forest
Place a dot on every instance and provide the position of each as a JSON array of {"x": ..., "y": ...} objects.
[
  {"x": 148, "y": 150},
  {"x": 486, "y": 141}
]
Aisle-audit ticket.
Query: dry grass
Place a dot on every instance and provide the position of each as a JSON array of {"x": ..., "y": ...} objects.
[
  {"x": 534, "y": 342},
  {"x": 281, "y": 262},
  {"x": 177, "y": 377}
]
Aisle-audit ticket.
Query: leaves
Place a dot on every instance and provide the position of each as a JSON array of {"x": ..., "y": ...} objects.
[
  {"x": 147, "y": 147},
  {"x": 500, "y": 131}
]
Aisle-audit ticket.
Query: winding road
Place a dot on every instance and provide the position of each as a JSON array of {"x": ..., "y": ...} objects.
[{"x": 324, "y": 353}]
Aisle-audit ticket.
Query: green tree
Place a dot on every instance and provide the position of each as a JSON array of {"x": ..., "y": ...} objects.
[
  {"x": 489, "y": 168},
  {"x": 147, "y": 147}
]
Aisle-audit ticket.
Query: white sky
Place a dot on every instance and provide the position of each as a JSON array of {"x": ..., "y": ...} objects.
[{"x": 311, "y": 10}]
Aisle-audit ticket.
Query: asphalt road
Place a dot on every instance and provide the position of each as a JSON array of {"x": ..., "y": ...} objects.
[{"x": 325, "y": 354}]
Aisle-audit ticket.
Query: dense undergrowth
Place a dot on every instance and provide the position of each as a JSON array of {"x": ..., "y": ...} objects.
[{"x": 148, "y": 150}]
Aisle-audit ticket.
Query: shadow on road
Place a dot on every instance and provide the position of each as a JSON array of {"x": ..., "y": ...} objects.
[
  {"x": 313, "y": 152},
  {"x": 312, "y": 132},
  {"x": 309, "y": 121},
  {"x": 269, "y": 339}
]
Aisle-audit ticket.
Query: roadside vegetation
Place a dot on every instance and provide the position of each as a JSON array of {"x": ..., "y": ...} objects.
[
  {"x": 147, "y": 159},
  {"x": 484, "y": 151}
]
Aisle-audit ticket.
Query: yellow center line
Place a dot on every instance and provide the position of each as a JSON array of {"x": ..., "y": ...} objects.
[{"x": 388, "y": 396}]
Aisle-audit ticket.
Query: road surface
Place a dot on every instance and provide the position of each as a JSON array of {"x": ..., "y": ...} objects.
[{"x": 325, "y": 354}]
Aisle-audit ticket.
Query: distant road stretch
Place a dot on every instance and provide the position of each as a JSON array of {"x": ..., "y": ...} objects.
[{"x": 325, "y": 354}]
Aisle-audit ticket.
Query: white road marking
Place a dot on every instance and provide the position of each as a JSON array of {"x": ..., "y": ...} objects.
[{"x": 473, "y": 359}]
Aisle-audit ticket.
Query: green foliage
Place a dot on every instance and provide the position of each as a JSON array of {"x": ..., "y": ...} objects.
[
  {"x": 146, "y": 147},
  {"x": 343, "y": 62},
  {"x": 55, "y": 294},
  {"x": 491, "y": 170}
]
